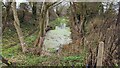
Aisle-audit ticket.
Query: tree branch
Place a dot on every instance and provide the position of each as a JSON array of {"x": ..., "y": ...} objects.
[
  {"x": 3, "y": 4},
  {"x": 54, "y": 4}
]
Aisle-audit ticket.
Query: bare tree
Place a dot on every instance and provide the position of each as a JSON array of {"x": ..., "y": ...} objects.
[
  {"x": 7, "y": 5},
  {"x": 43, "y": 22},
  {"x": 34, "y": 10},
  {"x": 75, "y": 26},
  {"x": 17, "y": 26},
  {"x": 0, "y": 26}
]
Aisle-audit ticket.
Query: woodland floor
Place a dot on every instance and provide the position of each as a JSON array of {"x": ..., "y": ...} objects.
[{"x": 12, "y": 51}]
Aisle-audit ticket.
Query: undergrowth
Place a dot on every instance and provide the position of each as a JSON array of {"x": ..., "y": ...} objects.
[{"x": 14, "y": 53}]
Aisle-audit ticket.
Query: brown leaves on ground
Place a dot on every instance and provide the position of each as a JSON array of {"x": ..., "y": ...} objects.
[{"x": 72, "y": 48}]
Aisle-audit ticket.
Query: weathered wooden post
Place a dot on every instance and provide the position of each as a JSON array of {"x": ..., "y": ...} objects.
[{"x": 100, "y": 54}]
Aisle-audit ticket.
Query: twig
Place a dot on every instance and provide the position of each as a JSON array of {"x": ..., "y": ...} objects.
[{"x": 54, "y": 4}]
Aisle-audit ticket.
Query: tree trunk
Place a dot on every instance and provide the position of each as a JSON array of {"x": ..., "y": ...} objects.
[
  {"x": 47, "y": 18},
  {"x": 42, "y": 24},
  {"x": 118, "y": 32},
  {"x": 118, "y": 20},
  {"x": 17, "y": 26},
  {"x": 72, "y": 23},
  {"x": 76, "y": 27},
  {"x": 43, "y": 21},
  {"x": 34, "y": 10},
  {"x": 53, "y": 14},
  {"x": 1, "y": 25},
  {"x": 7, "y": 15}
]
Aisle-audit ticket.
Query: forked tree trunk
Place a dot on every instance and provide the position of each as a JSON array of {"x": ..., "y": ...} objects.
[
  {"x": 18, "y": 29},
  {"x": 75, "y": 26},
  {"x": 43, "y": 22},
  {"x": 42, "y": 25}
]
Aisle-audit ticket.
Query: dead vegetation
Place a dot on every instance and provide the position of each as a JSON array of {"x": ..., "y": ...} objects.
[{"x": 105, "y": 31}]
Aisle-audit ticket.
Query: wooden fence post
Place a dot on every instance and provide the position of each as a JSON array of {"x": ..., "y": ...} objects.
[{"x": 100, "y": 54}]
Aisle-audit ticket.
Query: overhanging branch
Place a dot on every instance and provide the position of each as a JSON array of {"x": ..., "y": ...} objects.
[{"x": 54, "y": 4}]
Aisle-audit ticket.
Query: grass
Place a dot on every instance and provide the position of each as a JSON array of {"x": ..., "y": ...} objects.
[
  {"x": 33, "y": 60},
  {"x": 76, "y": 59},
  {"x": 9, "y": 52},
  {"x": 14, "y": 53},
  {"x": 29, "y": 40}
]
